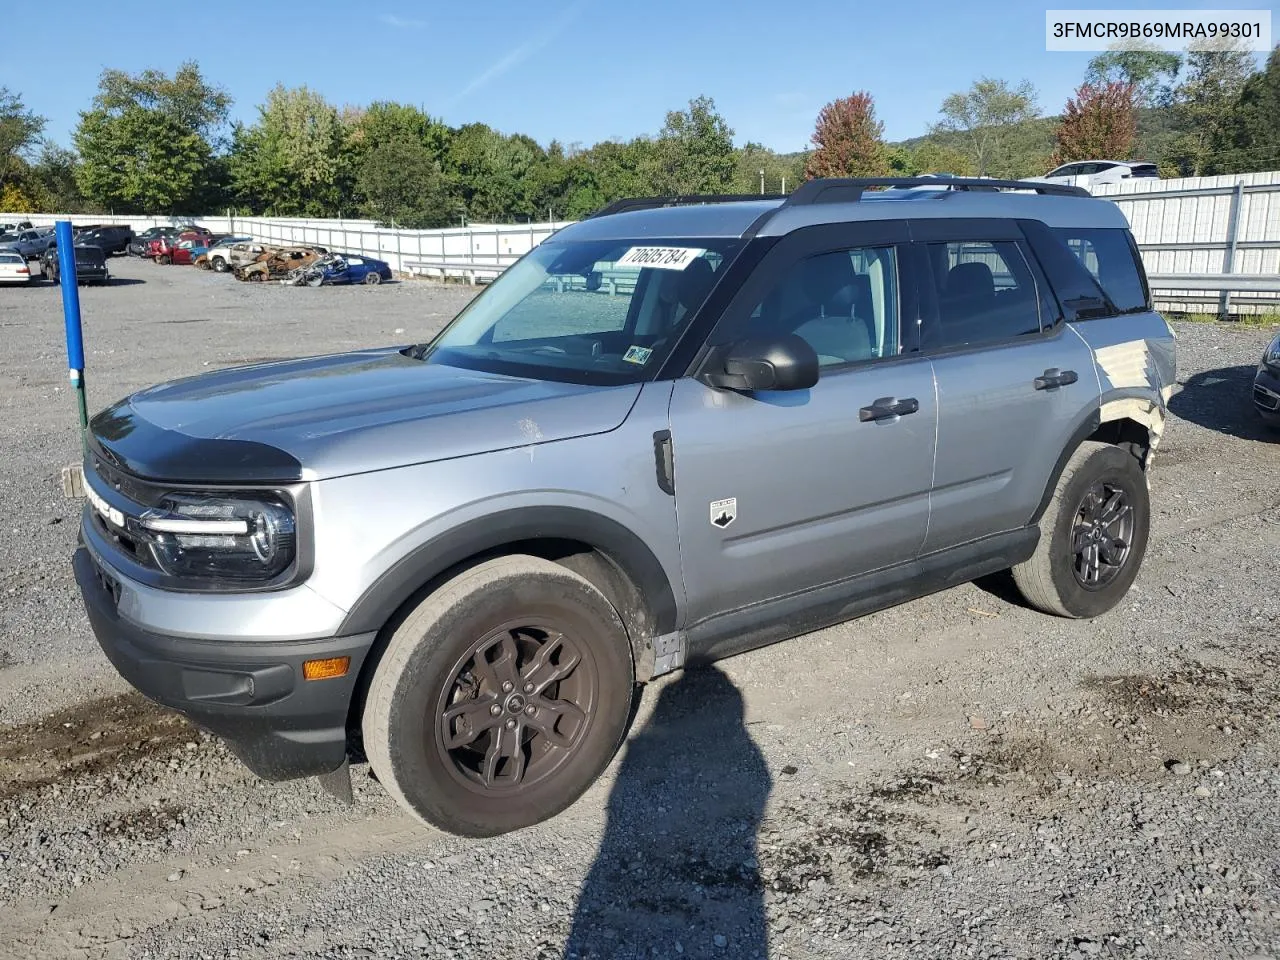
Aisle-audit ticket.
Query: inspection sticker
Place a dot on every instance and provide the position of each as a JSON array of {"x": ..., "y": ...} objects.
[
  {"x": 637, "y": 355},
  {"x": 661, "y": 258}
]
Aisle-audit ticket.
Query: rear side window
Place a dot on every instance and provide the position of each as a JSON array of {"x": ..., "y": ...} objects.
[
  {"x": 1144, "y": 170},
  {"x": 985, "y": 291},
  {"x": 1111, "y": 259}
]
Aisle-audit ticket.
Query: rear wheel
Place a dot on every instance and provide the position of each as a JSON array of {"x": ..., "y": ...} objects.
[
  {"x": 1093, "y": 535},
  {"x": 372, "y": 278},
  {"x": 501, "y": 698}
]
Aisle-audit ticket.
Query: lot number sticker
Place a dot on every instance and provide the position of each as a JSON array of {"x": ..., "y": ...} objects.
[{"x": 661, "y": 258}]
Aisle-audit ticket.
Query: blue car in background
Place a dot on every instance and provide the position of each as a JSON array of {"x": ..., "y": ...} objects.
[{"x": 336, "y": 268}]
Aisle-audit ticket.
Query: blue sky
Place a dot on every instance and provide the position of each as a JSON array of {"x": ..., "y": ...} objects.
[{"x": 574, "y": 70}]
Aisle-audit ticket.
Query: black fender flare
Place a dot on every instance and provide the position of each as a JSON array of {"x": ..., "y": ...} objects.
[{"x": 489, "y": 534}]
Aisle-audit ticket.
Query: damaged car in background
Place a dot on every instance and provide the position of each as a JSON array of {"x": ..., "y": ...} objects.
[
  {"x": 277, "y": 263},
  {"x": 339, "y": 268}
]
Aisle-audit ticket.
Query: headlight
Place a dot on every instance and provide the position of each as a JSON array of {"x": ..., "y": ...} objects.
[
  {"x": 243, "y": 539},
  {"x": 1272, "y": 354}
]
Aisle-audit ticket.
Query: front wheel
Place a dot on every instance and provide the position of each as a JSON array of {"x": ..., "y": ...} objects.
[
  {"x": 1093, "y": 535},
  {"x": 500, "y": 698},
  {"x": 219, "y": 265}
]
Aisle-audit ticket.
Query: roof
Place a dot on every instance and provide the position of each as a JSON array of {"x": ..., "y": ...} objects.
[{"x": 841, "y": 201}]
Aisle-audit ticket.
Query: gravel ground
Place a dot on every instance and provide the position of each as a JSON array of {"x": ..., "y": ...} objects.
[{"x": 956, "y": 777}]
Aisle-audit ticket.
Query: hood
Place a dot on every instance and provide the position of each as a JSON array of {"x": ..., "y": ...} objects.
[{"x": 350, "y": 413}]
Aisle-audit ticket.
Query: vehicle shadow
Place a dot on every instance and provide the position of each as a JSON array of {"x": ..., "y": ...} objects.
[
  {"x": 678, "y": 863},
  {"x": 1221, "y": 400}
]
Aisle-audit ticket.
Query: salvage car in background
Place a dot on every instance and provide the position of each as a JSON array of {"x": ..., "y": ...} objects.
[
  {"x": 111, "y": 238},
  {"x": 219, "y": 257},
  {"x": 13, "y": 268},
  {"x": 140, "y": 246},
  {"x": 1093, "y": 173},
  {"x": 91, "y": 264},
  {"x": 30, "y": 243},
  {"x": 341, "y": 268},
  {"x": 277, "y": 263}
]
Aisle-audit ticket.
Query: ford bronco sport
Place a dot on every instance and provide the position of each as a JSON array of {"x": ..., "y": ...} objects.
[{"x": 676, "y": 430}]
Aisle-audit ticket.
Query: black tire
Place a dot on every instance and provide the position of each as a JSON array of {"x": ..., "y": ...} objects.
[
  {"x": 220, "y": 265},
  {"x": 1085, "y": 562},
  {"x": 545, "y": 621},
  {"x": 372, "y": 278}
]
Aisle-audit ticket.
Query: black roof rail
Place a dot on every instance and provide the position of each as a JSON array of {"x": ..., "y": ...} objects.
[
  {"x": 649, "y": 203},
  {"x": 850, "y": 189}
]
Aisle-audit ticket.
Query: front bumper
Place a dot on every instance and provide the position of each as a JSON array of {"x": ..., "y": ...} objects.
[
  {"x": 251, "y": 693},
  {"x": 1266, "y": 394}
]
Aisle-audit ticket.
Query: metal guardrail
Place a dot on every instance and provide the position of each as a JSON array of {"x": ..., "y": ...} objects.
[
  {"x": 1217, "y": 282},
  {"x": 473, "y": 272}
]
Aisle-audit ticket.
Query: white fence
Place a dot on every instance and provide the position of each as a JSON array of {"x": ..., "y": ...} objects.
[
  {"x": 1190, "y": 226},
  {"x": 1206, "y": 225}
]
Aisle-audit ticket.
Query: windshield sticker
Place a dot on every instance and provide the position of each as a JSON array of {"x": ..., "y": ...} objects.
[
  {"x": 637, "y": 355},
  {"x": 661, "y": 258}
]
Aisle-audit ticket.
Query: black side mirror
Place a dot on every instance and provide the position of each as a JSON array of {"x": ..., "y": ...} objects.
[
  {"x": 594, "y": 280},
  {"x": 781, "y": 363}
]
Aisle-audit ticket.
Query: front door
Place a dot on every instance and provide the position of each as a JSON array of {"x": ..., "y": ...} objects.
[{"x": 781, "y": 492}]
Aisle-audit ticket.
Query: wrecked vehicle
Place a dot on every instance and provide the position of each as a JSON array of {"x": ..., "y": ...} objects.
[
  {"x": 277, "y": 263},
  {"x": 341, "y": 268}
]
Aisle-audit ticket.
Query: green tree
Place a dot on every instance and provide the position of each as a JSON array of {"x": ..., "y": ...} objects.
[
  {"x": 847, "y": 139},
  {"x": 1150, "y": 71},
  {"x": 294, "y": 161},
  {"x": 1204, "y": 104},
  {"x": 984, "y": 117},
  {"x": 780, "y": 172},
  {"x": 401, "y": 182},
  {"x": 148, "y": 143},
  {"x": 694, "y": 151},
  {"x": 20, "y": 133},
  {"x": 53, "y": 178},
  {"x": 490, "y": 173},
  {"x": 1098, "y": 122},
  {"x": 1250, "y": 139}
]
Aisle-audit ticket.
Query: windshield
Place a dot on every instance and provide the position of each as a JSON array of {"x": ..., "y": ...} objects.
[{"x": 597, "y": 312}]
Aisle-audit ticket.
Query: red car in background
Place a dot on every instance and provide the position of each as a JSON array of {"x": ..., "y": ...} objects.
[{"x": 178, "y": 249}]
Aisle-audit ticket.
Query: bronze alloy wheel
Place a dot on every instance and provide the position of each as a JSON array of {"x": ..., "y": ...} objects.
[
  {"x": 517, "y": 707},
  {"x": 500, "y": 697}
]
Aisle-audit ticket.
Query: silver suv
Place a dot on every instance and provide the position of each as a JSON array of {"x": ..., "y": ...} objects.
[{"x": 676, "y": 430}]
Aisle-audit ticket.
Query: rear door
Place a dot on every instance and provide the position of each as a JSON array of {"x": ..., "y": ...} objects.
[
  {"x": 780, "y": 492},
  {"x": 1014, "y": 381}
]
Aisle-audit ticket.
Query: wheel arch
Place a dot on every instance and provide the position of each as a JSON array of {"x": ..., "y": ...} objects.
[
  {"x": 612, "y": 557},
  {"x": 1134, "y": 424}
]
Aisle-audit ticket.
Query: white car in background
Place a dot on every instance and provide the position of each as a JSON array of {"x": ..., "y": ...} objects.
[
  {"x": 13, "y": 267},
  {"x": 1092, "y": 173}
]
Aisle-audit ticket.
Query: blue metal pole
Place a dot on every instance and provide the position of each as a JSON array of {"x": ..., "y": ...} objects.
[{"x": 71, "y": 314}]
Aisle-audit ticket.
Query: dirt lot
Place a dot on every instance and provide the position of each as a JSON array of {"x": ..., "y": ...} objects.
[{"x": 956, "y": 777}]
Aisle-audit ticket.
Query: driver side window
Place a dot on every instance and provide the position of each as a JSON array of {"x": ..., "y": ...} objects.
[{"x": 843, "y": 303}]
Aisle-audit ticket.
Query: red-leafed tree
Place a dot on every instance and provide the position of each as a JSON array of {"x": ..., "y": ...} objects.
[
  {"x": 847, "y": 140},
  {"x": 1099, "y": 123}
]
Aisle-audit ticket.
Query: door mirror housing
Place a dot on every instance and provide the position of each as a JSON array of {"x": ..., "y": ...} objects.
[{"x": 776, "y": 363}]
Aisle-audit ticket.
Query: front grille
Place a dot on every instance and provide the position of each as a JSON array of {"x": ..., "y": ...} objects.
[
  {"x": 137, "y": 496},
  {"x": 1265, "y": 398},
  {"x": 125, "y": 484}
]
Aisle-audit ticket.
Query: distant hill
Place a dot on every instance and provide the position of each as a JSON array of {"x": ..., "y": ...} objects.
[{"x": 1031, "y": 144}]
